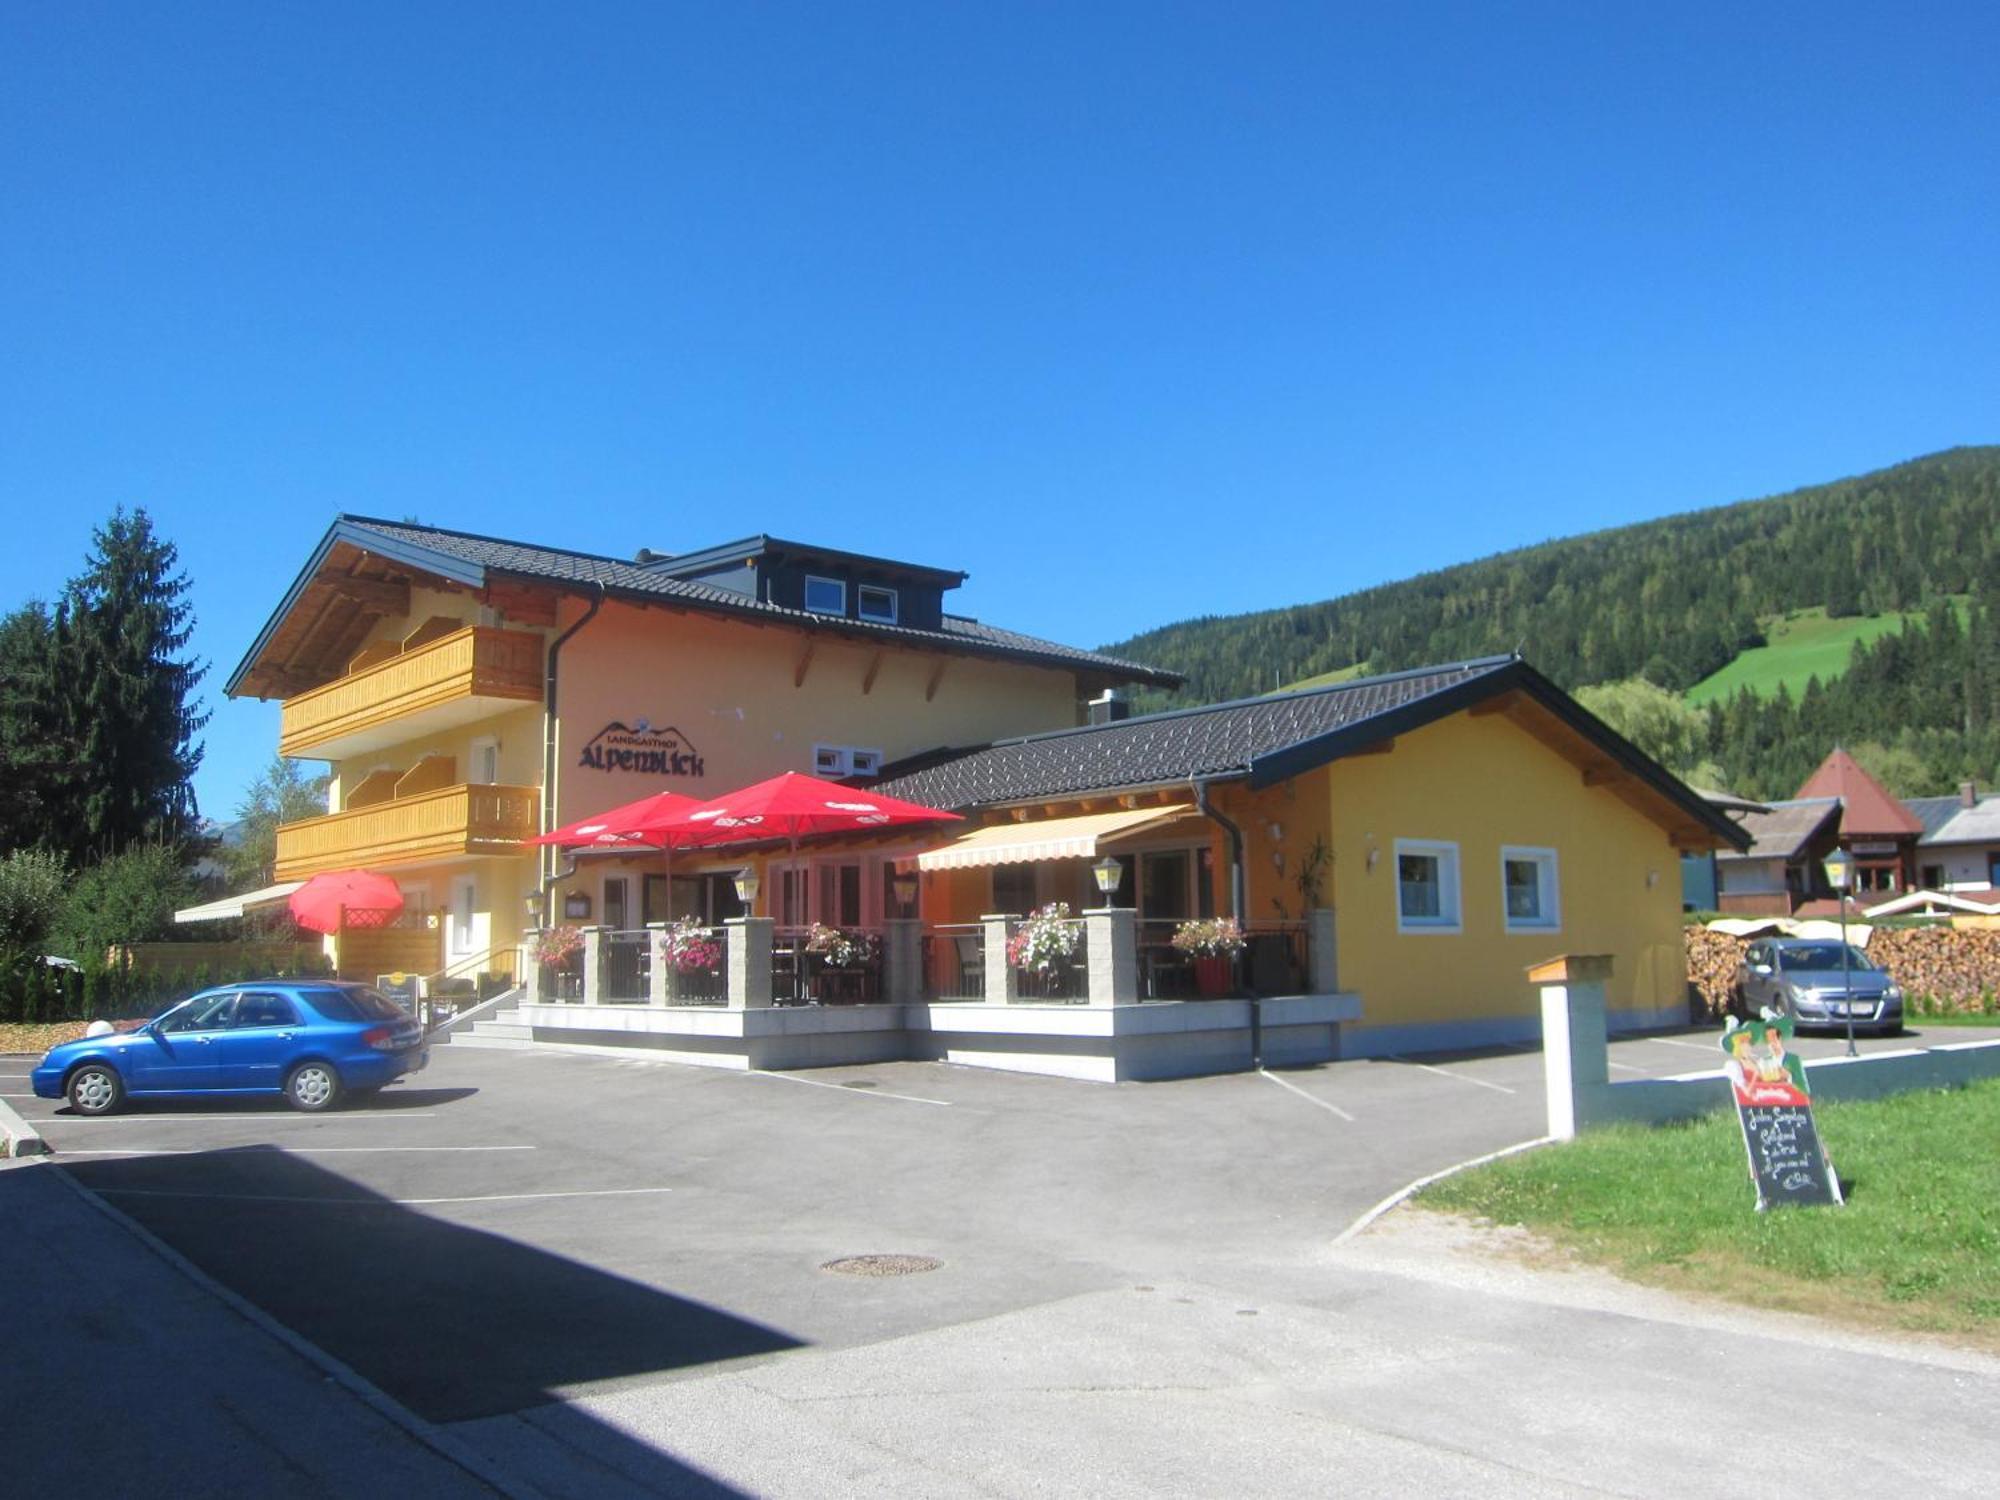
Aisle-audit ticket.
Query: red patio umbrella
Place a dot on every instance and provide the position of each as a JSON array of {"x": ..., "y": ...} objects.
[
  {"x": 354, "y": 898},
  {"x": 621, "y": 827},
  {"x": 793, "y": 806}
]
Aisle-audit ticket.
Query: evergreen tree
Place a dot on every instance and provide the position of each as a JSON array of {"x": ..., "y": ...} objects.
[
  {"x": 127, "y": 703},
  {"x": 28, "y": 741}
]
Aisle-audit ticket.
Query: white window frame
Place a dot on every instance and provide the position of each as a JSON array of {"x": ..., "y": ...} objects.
[
  {"x": 480, "y": 746},
  {"x": 1451, "y": 908},
  {"x": 846, "y": 760},
  {"x": 837, "y": 583},
  {"x": 861, "y": 611},
  {"x": 1548, "y": 882},
  {"x": 464, "y": 912}
]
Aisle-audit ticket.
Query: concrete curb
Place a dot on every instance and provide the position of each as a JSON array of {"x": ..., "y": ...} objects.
[
  {"x": 1405, "y": 1193},
  {"x": 17, "y": 1136}
]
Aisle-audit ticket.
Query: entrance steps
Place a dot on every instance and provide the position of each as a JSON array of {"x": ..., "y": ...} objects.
[{"x": 505, "y": 1029}]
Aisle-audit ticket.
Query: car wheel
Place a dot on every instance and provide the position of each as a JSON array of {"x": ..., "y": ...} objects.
[
  {"x": 95, "y": 1089},
  {"x": 312, "y": 1086}
]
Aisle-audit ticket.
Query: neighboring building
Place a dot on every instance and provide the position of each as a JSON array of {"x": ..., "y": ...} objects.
[
  {"x": 1840, "y": 805},
  {"x": 1461, "y": 822},
  {"x": 1959, "y": 849},
  {"x": 1783, "y": 867},
  {"x": 1875, "y": 828}
]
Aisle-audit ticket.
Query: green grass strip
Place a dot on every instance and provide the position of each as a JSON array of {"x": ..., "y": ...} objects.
[{"x": 1917, "y": 1246}]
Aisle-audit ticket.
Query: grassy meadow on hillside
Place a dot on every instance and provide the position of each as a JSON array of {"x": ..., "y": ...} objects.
[{"x": 1802, "y": 645}]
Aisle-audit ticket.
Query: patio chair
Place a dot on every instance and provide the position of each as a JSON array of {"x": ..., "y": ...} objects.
[{"x": 971, "y": 964}]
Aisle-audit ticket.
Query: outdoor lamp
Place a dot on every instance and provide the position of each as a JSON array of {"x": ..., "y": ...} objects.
[
  {"x": 747, "y": 886},
  {"x": 534, "y": 905},
  {"x": 904, "y": 884},
  {"x": 1108, "y": 873},
  {"x": 1840, "y": 875}
]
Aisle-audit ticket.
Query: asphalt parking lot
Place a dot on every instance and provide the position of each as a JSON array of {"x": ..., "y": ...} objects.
[
  {"x": 510, "y": 1230},
  {"x": 634, "y": 1219}
]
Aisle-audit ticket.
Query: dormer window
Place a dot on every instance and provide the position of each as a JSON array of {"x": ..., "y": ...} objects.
[
  {"x": 826, "y": 596},
  {"x": 873, "y": 603}
]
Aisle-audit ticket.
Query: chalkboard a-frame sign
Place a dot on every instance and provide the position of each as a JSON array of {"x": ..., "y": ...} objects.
[{"x": 1774, "y": 1107}]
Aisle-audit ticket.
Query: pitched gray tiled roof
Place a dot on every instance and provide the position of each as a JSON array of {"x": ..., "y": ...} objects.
[
  {"x": 562, "y": 566},
  {"x": 1787, "y": 828},
  {"x": 1978, "y": 824},
  {"x": 1933, "y": 812},
  {"x": 1222, "y": 740}
]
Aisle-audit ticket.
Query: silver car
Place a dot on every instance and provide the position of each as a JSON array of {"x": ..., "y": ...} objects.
[{"x": 1801, "y": 978}]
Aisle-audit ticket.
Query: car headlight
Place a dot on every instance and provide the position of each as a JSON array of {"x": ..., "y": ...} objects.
[{"x": 1893, "y": 992}]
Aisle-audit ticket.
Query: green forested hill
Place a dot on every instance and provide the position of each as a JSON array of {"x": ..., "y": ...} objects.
[
  {"x": 1673, "y": 600},
  {"x": 1881, "y": 595}
]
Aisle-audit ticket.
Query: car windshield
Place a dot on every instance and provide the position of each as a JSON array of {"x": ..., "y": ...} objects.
[
  {"x": 354, "y": 1003},
  {"x": 1819, "y": 956}
]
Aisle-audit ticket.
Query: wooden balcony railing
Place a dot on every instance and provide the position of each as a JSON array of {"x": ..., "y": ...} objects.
[
  {"x": 452, "y": 672},
  {"x": 437, "y": 825}
]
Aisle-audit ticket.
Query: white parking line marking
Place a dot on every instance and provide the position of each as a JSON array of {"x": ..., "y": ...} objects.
[
  {"x": 1309, "y": 1098},
  {"x": 1624, "y": 1067},
  {"x": 852, "y": 1093},
  {"x": 371, "y": 1202},
  {"x": 20, "y": 1096},
  {"x": 1498, "y": 1088},
  {"x": 1667, "y": 1041},
  {"x": 287, "y": 1150}
]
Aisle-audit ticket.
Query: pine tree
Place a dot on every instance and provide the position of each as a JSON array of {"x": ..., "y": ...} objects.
[{"x": 128, "y": 696}]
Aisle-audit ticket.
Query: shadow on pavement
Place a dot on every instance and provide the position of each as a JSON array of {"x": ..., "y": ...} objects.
[{"x": 455, "y": 1323}]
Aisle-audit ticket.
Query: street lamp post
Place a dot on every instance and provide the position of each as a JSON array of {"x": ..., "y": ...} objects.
[
  {"x": 1108, "y": 874},
  {"x": 1840, "y": 875}
]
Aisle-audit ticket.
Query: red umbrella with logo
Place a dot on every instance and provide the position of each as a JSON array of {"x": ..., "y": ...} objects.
[
  {"x": 625, "y": 826},
  {"x": 350, "y": 898},
  {"x": 793, "y": 806}
]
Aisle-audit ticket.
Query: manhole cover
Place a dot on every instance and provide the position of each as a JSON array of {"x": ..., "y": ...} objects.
[{"x": 882, "y": 1265}]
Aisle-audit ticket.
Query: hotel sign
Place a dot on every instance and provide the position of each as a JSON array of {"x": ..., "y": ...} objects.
[{"x": 642, "y": 750}]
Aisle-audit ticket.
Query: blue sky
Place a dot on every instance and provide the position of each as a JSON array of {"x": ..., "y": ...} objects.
[{"x": 1135, "y": 311}]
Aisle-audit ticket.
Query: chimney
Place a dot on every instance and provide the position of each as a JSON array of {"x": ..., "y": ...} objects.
[
  {"x": 1968, "y": 794},
  {"x": 1109, "y": 706}
]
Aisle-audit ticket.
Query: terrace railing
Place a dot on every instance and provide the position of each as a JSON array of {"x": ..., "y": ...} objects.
[
  {"x": 810, "y": 968},
  {"x": 1061, "y": 973}
]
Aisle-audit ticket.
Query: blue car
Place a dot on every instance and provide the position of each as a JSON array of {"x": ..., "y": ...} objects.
[{"x": 313, "y": 1041}]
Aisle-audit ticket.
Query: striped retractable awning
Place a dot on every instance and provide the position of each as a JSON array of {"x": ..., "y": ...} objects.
[
  {"x": 235, "y": 906},
  {"x": 1080, "y": 837}
]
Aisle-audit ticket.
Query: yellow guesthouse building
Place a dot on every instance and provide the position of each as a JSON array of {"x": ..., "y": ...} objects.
[{"x": 1412, "y": 841}]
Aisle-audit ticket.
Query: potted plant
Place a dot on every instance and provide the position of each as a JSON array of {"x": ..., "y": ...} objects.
[
  {"x": 685, "y": 947},
  {"x": 844, "y": 952},
  {"x": 1046, "y": 942},
  {"x": 556, "y": 947},
  {"x": 1212, "y": 943}
]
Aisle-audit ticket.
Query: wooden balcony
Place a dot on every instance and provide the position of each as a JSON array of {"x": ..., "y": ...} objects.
[
  {"x": 430, "y": 827},
  {"x": 393, "y": 693}
]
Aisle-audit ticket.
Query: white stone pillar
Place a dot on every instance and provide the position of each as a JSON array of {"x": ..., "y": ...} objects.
[
  {"x": 1574, "y": 1043},
  {"x": 1322, "y": 952},
  {"x": 595, "y": 952},
  {"x": 1111, "y": 950},
  {"x": 749, "y": 959},
  {"x": 531, "y": 970},
  {"x": 1000, "y": 975},
  {"x": 902, "y": 961},
  {"x": 659, "y": 973}
]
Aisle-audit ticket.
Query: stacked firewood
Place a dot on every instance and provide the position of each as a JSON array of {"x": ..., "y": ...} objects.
[
  {"x": 1951, "y": 967},
  {"x": 1715, "y": 962},
  {"x": 1956, "y": 967}
]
